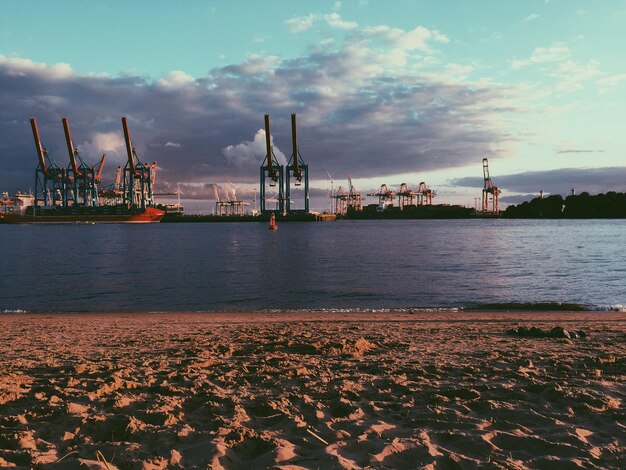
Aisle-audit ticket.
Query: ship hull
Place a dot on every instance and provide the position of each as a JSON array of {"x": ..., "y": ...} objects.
[{"x": 150, "y": 215}]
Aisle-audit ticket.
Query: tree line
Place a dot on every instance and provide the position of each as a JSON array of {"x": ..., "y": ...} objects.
[{"x": 611, "y": 205}]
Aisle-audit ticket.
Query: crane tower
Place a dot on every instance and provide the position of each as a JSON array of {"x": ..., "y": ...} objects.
[
  {"x": 50, "y": 179},
  {"x": 297, "y": 169},
  {"x": 273, "y": 171},
  {"x": 138, "y": 177},
  {"x": 82, "y": 179}
]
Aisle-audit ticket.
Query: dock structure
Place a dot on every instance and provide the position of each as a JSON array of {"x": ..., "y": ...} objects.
[{"x": 230, "y": 208}]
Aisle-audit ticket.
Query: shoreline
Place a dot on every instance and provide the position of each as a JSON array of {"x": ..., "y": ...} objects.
[{"x": 351, "y": 316}]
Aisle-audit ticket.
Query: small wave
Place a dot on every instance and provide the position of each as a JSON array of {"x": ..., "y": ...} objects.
[
  {"x": 528, "y": 307},
  {"x": 610, "y": 308}
]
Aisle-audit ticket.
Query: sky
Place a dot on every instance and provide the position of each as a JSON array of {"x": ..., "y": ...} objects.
[{"x": 387, "y": 92}]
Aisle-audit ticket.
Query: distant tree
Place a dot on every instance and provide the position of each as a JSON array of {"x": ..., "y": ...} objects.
[{"x": 584, "y": 205}]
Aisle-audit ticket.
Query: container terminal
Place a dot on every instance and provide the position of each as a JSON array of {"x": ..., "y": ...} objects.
[{"x": 74, "y": 193}]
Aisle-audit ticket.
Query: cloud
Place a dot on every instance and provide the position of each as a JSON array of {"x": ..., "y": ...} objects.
[
  {"x": 560, "y": 181},
  {"x": 111, "y": 143},
  {"x": 250, "y": 154},
  {"x": 355, "y": 115},
  {"x": 580, "y": 151},
  {"x": 554, "y": 53},
  {"x": 301, "y": 23},
  {"x": 176, "y": 79},
  {"x": 609, "y": 82},
  {"x": 19, "y": 67},
  {"x": 572, "y": 76},
  {"x": 531, "y": 17},
  {"x": 333, "y": 20},
  {"x": 416, "y": 39}
]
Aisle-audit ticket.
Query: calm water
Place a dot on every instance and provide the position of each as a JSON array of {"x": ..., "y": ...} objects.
[{"x": 341, "y": 265}]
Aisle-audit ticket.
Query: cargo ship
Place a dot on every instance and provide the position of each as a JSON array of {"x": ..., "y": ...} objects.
[{"x": 103, "y": 214}]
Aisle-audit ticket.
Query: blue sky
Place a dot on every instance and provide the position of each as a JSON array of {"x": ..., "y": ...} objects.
[{"x": 390, "y": 92}]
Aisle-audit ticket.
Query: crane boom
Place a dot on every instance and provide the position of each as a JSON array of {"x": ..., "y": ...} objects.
[
  {"x": 129, "y": 146},
  {"x": 268, "y": 145},
  {"x": 70, "y": 147},
  {"x": 118, "y": 178},
  {"x": 100, "y": 167},
  {"x": 294, "y": 139},
  {"x": 486, "y": 171},
  {"x": 40, "y": 150}
]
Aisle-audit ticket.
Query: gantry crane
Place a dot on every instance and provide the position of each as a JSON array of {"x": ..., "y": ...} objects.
[
  {"x": 341, "y": 199},
  {"x": 138, "y": 177},
  {"x": 273, "y": 171},
  {"x": 82, "y": 181},
  {"x": 50, "y": 179},
  {"x": 406, "y": 196},
  {"x": 489, "y": 188},
  {"x": 425, "y": 194},
  {"x": 385, "y": 197},
  {"x": 355, "y": 199},
  {"x": 111, "y": 195},
  {"x": 298, "y": 169}
]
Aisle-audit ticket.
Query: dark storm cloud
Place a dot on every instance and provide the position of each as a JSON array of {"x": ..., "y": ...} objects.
[
  {"x": 591, "y": 180},
  {"x": 352, "y": 118}
]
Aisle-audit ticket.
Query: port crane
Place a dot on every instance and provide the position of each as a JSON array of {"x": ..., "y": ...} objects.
[
  {"x": 82, "y": 179},
  {"x": 297, "y": 169},
  {"x": 425, "y": 194},
  {"x": 138, "y": 183},
  {"x": 273, "y": 171},
  {"x": 489, "y": 188},
  {"x": 406, "y": 196},
  {"x": 340, "y": 198},
  {"x": 355, "y": 199},
  {"x": 112, "y": 194},
  {"x": 385, "y": 197},
  {"x": 50, "y": 179}
]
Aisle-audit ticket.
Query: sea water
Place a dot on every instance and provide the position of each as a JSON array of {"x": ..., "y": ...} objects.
[{"x": 343, "y": 265}]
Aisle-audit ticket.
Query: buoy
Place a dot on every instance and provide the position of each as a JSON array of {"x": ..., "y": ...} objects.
[{"x": 273, "y": 225}]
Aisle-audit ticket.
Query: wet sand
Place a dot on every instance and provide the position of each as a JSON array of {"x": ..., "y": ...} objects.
[{"x": 311, "y": 390}]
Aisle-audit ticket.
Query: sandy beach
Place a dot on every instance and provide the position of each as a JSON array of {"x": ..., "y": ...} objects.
[{"x": 311, "y": 390}]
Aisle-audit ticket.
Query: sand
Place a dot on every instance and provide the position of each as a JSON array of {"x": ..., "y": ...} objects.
[{"x": 314, "y": 390}]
